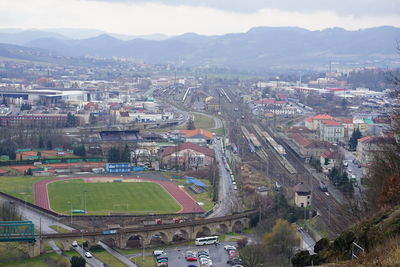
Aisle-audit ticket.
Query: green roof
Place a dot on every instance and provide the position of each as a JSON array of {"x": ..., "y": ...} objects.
[{"x": 368, "y": 121}]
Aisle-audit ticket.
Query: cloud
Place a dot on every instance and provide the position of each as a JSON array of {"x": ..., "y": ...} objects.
[
  {"x": 128, "y": 17},
  {"x": 340, "y": 7}
]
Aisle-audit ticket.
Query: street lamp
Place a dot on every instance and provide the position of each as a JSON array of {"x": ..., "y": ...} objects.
[
  {"x": 84, "y": 201},
  {"x": 70, "y": 205}
]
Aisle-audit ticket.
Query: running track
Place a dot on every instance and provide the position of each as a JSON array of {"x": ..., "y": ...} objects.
[{"x": 188, "y": 204}]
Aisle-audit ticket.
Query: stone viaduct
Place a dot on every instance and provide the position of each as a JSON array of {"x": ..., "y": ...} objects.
[{"x": 152, "y": 235}]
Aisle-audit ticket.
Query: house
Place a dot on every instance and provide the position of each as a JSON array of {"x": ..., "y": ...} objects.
[
  {"x": 347, "y": 125},
  {"x": 302, "y": 195},
  {"x": 186, "y": 156},
  {"x": 328, "y": 160},
  {"x": 304, "y": 131},
  {"x": 197, "y": 136},
  {"x": 314, "y": 122},
  {"x": 367, "y": 146},
  {"x": 331, "y": 131},
  {"x": 211, "y": 103},
  {"x": 308, "y": 148}
]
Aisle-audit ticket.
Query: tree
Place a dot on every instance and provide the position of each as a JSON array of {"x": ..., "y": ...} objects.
[
  {"x": 282, "y": 240},
  {"x": 126, "y": 154},
  {"x": 190, "y": 125},
  {"x": 72, "y": 120},
  {"x": 114, "y": 155},
  {"x": 41, "y": 142},
  {"x": 354, "y": 139},
  {"x": 253, "y": 255},
  {"x": 79, "y": 150},
  {"x": 49, "y": 145},
  {"x": 266, "y": 92},
  {"x": 77, "y": 261}
]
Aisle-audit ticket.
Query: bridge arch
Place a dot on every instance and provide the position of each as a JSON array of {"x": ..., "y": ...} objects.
[
  {"x": 180, "y": 236},
  {"x": 237, "y": 226},
  {"x": 135, "y": 241},
  {"x": 223, "y": 228},
  {"x": 109, "y": 241},
  {"x": 159, "y": 238},
  {"x": 203, "y": 231}
]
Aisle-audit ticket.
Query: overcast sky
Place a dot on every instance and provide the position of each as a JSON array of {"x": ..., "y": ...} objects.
[{"x": 137, "y": 17}]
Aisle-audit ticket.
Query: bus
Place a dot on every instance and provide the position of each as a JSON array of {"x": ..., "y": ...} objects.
[{"x": 206, "y": 240}]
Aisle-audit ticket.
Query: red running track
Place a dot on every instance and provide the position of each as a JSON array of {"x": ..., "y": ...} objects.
[{"x": 187, "y": 203}]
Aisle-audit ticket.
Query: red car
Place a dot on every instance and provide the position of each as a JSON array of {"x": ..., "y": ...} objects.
[{"x": 190, "y": 256}]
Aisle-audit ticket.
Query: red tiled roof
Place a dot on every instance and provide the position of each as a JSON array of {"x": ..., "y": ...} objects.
[
  {"x": 329, "y": 155},
  {"x": 190, "y": 133},
  {"x": 300, "y": 140},
  {"x": 344, "y": 120},
  {"x": 365, "y": 139},
  {"x": 331, "y": 123},
  {"x": 201, "y": 149},
  {"x": 322, "y": 117},
  {"x": 299, "y": 129}
]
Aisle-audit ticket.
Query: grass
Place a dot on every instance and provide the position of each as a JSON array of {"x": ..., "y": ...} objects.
[
  {"x": 59, "y": 229},
  {"x": 148, "y": 261},
  {"x": 108, "y": 259},
  {"x": 138, "y": 197},
  {"x": 202, "y": 121},
  {"x": 44, "y": 260},
  {"x": 20, "y": 186},
  {"x": 219, "y": 131}
]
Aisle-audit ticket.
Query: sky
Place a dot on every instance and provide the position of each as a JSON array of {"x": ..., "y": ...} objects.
[{"x": 208, "y": 17}]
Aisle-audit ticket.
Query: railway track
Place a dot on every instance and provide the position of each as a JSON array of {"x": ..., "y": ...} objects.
[{"x": 331, "y": 211}]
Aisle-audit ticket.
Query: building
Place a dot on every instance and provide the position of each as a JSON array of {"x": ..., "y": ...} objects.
[
  {"x": 308, "y": 148},
  {"x": 186, "y": 156},
  {"x": 211, "y": 103},
  {"x": 302, "y": 195},
  {"x": 328, "y": 160},
  {"x": 197, "y": 136},
  {"x": 54, "y": 120},
  {"x": 314, "y": 122},
  {"x": 331, "y": 131},
  {"x": 367, "y": 146}
]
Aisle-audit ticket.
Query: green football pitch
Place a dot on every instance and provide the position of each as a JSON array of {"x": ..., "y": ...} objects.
[{"x": 103, "y": 198}]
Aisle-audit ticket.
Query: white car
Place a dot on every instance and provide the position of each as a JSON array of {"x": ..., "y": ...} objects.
[
  {"x": 229, "y": 247},
  {"x": 74, "y": 244},
  {"x": 88, "y": 255}
]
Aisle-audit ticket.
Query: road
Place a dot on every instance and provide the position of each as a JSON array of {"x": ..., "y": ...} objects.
[
  {"x": 353, "y": 169},
  {"x": 226, "y": 194},
  {"x": 41, "y": 221},
  {"x": 120, "y": 257},
  {"x": 91, "y": 261},
  {"x": 307, "y": 243}
]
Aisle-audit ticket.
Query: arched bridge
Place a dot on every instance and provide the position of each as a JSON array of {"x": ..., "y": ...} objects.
[{"x": 158, "y": 234}]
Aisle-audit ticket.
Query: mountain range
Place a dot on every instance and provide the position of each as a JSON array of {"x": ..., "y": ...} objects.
[{"x": 260, "y": 47}]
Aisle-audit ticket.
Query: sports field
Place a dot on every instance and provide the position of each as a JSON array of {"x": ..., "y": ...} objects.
[{"x": 138, "y": 197}]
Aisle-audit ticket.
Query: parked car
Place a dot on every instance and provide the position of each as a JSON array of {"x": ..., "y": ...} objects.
[
  {"x": 158, "y": 252},
  {"x": 190, "y": 256},
  {"x": 74, "y": 244},
  {"x": 229, "y": 247},
  {"x": 88, "y": 255}
]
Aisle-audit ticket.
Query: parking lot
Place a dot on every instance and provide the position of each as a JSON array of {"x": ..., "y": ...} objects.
[{"x": 219, "y": 257}]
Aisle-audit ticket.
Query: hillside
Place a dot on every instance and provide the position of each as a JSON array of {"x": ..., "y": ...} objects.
[
  {"x": 378, "y": 235},
  {"x": 261, "y": 47}
]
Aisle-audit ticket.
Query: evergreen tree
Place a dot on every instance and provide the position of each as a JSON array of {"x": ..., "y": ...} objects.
[
  {"x": 190, "y": 125},
  {"x": 126, "y": 154},
  {"x": 114, "y": 155},
  {"x": 49, "y": 145},
  {"x": 41, "y": 142},
  {"x": 77, "y": 261},
  {"x": 354, "y": 139},
  {"x": 72, "y": 120}
]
